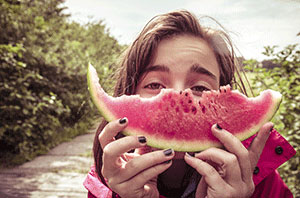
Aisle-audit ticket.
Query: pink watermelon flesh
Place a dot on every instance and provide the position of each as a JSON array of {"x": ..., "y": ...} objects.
[{"x": 176, "y": 120}]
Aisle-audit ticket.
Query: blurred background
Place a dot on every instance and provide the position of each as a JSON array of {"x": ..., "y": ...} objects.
[{"x": 45, "y": 46}]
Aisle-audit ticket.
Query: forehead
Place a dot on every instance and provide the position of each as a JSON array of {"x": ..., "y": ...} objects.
[
  {"x": 185, "y": 43},
  {"x": 182, "y": 51}
]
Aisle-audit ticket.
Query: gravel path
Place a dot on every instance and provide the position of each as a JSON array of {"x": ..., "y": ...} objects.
[{"x": 60, "y": 173}]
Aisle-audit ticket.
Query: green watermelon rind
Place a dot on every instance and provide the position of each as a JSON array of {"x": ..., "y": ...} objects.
[
  {"x": 187, "y": 146},
  {"x": 94, "y": 85}
]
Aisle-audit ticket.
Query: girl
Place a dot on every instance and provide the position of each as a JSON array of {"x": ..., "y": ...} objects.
[{"x": 175, "y": 51}]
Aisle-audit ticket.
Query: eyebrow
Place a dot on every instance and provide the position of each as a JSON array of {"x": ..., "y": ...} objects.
[{"x": 201, "y": 70}]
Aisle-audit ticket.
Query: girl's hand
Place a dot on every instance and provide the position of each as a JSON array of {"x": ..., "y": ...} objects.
[
  {"x": 130, "y": 174},
  {"x": 228, "y": 173}
]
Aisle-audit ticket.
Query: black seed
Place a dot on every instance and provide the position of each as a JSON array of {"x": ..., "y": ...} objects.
[
  {"x": 203, "y": 109},
  {"x": 186, "y": 94},
  {"x": 190, "y": 101},
  {"x": 194, "y": 110},
  {"x": 215, "y": 109}
]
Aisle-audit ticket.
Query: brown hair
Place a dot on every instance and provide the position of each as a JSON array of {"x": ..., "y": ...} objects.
[{"x": 139, "y": 55}]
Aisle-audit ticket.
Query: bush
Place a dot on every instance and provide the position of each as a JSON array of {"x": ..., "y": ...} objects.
[
  {"x": 284, "y": 78},
  {"x": 43, "y": 60}
]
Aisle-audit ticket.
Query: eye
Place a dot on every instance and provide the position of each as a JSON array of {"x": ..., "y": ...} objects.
[
  {"x": 154, "y": 86},
  {"x": 197, "y": 90}
]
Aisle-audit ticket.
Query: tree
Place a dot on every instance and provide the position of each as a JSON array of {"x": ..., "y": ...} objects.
[
  {"x": 43, "y": 59},
  {"x": 286, "y": 79}
]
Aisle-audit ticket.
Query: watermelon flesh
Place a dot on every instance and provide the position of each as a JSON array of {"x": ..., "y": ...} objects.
[{"x": 177, "y": 120}]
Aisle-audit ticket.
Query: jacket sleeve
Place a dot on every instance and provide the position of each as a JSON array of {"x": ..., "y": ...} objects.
[
  {"x": 266, "y": 178},
  {"x": 272, "y": 186},
  {"x": 95, "y": 188},
  {"x": 90, "y": 195}
]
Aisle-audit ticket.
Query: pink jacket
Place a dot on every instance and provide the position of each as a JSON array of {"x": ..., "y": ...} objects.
[{"x": 267, "y": 180}]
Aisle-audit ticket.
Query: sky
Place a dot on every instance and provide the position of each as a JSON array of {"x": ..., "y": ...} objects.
[{"x": 252, "y": 24}]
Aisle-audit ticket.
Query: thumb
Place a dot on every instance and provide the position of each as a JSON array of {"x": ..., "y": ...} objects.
[{"x": 201, "y": 191}]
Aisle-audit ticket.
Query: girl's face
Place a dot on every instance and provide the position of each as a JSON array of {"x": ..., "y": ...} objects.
[{"x": 181, "y": 62}]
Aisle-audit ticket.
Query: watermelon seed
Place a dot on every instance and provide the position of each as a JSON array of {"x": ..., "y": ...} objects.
[
  {"x": 215, "y": 108},
  {"x": 186, "y": 94},
  {"x": 180, "y": 92},
  {"x": 203, "y": 109},
  {"x": 194, "y": 110},
  {"x": 190, "y": 101}
]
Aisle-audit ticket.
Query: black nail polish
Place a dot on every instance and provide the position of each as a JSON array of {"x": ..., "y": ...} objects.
[
  {"x": 167, "y": 162},
  {"x": 271, "y": 129},
  {"x": 191, "y": 154},
  {"x": 142, "y": 139},
  {"x": 123, "y": 121},
  {"x": 168, "y": 152},
  {"x": 218, "y": 127}
]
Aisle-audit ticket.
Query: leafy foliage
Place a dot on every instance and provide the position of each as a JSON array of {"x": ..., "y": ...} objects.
[
  {"x": 43, "y": 59},
  {"x": 286, "y": 79}
]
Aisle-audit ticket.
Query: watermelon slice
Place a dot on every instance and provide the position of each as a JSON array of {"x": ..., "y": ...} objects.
[{"x": 176, "y": 120}]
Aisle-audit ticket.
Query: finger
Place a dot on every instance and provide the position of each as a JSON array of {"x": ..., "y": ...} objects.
[
  {"x": 111, "y": 130},
  {"x": 235, "y": 146},
  {"x": 141, "y": 179},
  {"x": 143, "y": 162},
  {"x": 201, "y": 188},
  {"x": 114, "y": 150},
  {"x": 258, "y": 144},
  {"x": 210, "y": 175},
  {"x": 129, "y": 156},
  {"x": 227, "y": 163}
]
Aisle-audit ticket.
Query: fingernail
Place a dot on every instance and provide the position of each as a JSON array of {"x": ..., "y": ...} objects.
[
  {"x": 189, "y": 154},
  {"x": 271, "y": 129},
  {"x": 142, "y": 139},
  {"x": 168, "y": 152},
  {"x": 218, "y": 126},
  {"x": 123, "y": 121},
  {"x": 167, "y": 162}
]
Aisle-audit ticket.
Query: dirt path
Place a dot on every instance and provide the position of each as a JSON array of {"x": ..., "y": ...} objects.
[{"x": 60, "y": 173}]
